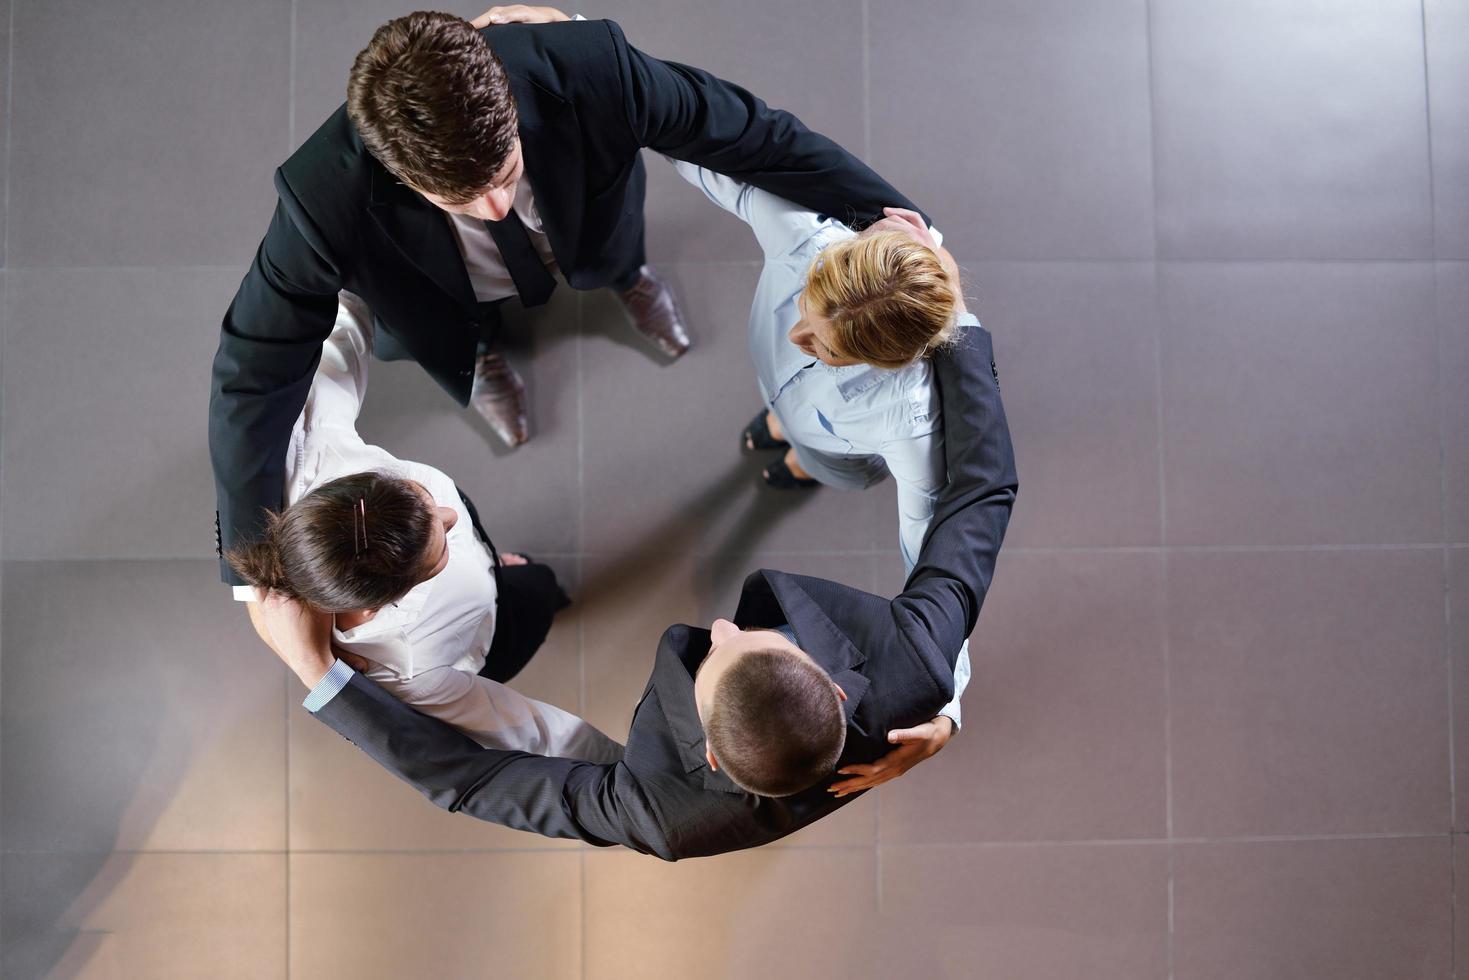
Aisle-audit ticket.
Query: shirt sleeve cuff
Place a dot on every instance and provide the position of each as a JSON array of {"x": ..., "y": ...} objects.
[
  {"x": 245, "y": 593},
  {"x": 967, "y": 319},
  {"x": 328, "y": 687}
]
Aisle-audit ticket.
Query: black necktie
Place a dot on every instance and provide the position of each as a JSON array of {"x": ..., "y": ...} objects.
[{"x": 532, "y": 280}]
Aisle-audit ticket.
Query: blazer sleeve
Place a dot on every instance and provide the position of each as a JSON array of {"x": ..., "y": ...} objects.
[
  {"x": 554, "y": 797},
  {"x": 938, "y": 608},
  {"x": 269, "y": 346},
  {"x": 691, "y": 115}
]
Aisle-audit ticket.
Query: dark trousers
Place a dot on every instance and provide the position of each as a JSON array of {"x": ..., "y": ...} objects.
[{"x": 530, "y": 597}]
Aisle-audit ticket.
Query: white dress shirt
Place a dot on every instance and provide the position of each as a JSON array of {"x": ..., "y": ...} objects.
[
  {"x": 851, "y": 424},
  {"x": 482, "y": 260},
  {"x": 427, "y": 648}
]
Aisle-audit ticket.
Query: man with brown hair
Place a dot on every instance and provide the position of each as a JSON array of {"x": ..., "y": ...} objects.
[
  {"x": 466, "y": 168},
  {"x": 742, "y": 727}
]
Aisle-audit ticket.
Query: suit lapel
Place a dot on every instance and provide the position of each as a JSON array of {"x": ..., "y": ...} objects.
[
  {"x": 551, "y": 146},
  {"x": 679, "y": 655},
  {"x": 421, "y": 232},
  {"x": 822, "y": 639}
]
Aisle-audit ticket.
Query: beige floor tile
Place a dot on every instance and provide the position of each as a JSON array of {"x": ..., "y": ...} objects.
[
  {"x": 780, "y": 912},
  {"x": 147, "y": 717},
  {"x": 153, "y": 916},
  {"x": 450, "y": 916}
]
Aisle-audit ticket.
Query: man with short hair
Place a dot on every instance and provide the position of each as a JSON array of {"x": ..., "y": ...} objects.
[
  {"x": 466, "y": 168},
  {"x": 719, "y": 759}
]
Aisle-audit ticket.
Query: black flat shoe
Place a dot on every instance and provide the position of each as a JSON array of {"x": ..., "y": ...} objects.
[
  {"x": 757, "y": 434},
  {"x": 779, "y": 476}
]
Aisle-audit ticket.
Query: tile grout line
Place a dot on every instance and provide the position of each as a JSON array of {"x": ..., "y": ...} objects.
[
  {"x": 1428, "y": 131},
  {"x": 5, "y": 239},
  {"x": 867, "y": 82},
  {"x": 290, "y": 142},
  {"x": 1201, "y": 549},
  {"x": 1159, "y": 323},
  {"x": 291, "y": 83},
  {"x": 994, "y": 260}
]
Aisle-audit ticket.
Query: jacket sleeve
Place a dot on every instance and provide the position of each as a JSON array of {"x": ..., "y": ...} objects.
[
  {"x": 691, "y": 115},
  {"x": 554, "y": 797},
  {"x": 947, "y": 586},
  {"x": 269, "y": 346}
]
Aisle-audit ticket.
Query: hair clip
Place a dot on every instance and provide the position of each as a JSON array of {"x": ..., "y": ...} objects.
[{"x": 359, "y": 527}]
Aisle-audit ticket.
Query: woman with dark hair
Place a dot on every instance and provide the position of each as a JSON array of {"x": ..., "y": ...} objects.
[{"x": 396, "y": 553}]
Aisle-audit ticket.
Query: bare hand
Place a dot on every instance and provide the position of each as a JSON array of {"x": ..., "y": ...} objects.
[
  {"x": 511, "y": 558},
  {"x": 904, "y": 222},
  {"x": 914, "y": 745},
  {"x": 300, "y": 636},
  {"x": 911, "y": 223},
  {"x": 519, "y": 13}
]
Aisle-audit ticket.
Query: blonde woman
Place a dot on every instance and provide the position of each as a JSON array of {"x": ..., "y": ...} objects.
[{"x": 839, "y": 329}]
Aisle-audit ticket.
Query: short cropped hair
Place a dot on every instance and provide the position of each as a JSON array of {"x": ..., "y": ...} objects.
[
  {"x": 887, "y": 297},
  {"x": 431, "y": 101},
  {"x": 775, "y": 724}
]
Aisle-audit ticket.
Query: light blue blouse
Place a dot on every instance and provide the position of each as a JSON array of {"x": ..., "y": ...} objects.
[{"x": 852, "y": 412}]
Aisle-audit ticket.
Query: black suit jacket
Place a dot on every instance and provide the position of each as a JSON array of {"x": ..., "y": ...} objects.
[
  {"x": 894, "y": 658},
  {"x": 587, "y": 103}
]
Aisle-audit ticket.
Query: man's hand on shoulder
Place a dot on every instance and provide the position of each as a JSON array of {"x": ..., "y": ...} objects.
[
  {"x": 914, "y": 745},
  {"x": 911, "y": 223},
  {"x": 519, "y": 13},
  {"x": 300, "y": 636}
]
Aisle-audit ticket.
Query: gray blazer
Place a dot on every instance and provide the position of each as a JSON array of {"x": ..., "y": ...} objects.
[{"x": 894, "y": 658}]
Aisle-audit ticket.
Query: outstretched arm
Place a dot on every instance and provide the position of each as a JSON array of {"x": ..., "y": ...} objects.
[
  {"x": 269, "y": 345},
  {"x": 946, "y": 589},
  {"x": 691, "y": 115},
  {"x": 555, "y": 797}
]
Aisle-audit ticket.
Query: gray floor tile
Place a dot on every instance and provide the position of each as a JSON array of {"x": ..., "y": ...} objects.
[
  {"x": 1063, "y": 737},
  {"x": 528, "y": 496},
  {"x": 329, "y": 33},
  {"x": 161, "y": 916},
  {"x": 763, "y": 46},
  {"x": 106, "y": 394},
  {"x": 1024, "y": 913},
  {"x": 1290, "y": 130},
  {"x": 519, "y": 915},
  {"x": 1347, "y": 909},
  {"x": 343, "y": 801},
  {"x": 153, "y": 137},
  {"x": 1446, "y": 23},
  {"x": 139, "y": 712},
  {"x": 663, "y": 468},
  {"x": 4, "y": 122},
  {"x": 1308, "y": 693},
  {"x": 1298, "y": 400},
  {"x": 1076, "y": 347},
  {"x": 1453, "y": 325},
  {"x": 774, "y": 912},
  {"x": 1021, "y": 127}
]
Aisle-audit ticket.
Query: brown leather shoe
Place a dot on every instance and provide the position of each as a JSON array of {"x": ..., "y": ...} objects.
[
  {"x": 650, "y": 306},
  {"x": 499, "y": 397}
]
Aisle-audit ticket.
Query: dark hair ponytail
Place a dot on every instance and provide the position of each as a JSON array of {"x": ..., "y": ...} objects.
[
  {"x": 259, "y": 562},
  {"x": 319, "y": 550}
]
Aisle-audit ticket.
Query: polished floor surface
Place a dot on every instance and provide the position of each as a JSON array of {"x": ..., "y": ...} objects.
[{"x": 1223, "y": 249}]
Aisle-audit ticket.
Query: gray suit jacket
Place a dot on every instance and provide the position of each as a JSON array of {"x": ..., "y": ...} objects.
[{"x": 894, "y": 658}]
